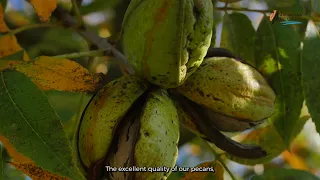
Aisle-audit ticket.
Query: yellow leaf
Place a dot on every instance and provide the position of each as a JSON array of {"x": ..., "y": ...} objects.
[
  {"x": 7, "y": 64},
  {"x": 9, "y": 45},
  {"x": 50, "y": 73},
  {"x": 35, "y": 172},
  {"x": 17, "y": 18},
  {"x": 208, "y": 174},
  {"x": 294, "y": 161},
  {"x": 44, "y": 8},
  {"x": 26, "y": 57},
  {"x": 3, "y": 26},
  {"x": 13, "y": 153},
  {"x": 26, "y": 165}
]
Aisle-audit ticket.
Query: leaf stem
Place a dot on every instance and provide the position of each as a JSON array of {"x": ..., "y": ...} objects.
[
  {"x": 32, "y": 26},
  {"x": 76, "y": 11},
  {"x": 93, "y": 38},
  {"x": 241, "y": 9},
  {"x": 219, "y": 159},
  {"x": 254, "y": 10},
  {"x": 93, "y": 53}
]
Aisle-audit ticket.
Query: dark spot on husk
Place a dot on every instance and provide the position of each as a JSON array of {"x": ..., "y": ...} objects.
[
  {"x": 200, "y": 92},
  {"x": 114, "y": 82},
  {"x": 146, "y": 134}
]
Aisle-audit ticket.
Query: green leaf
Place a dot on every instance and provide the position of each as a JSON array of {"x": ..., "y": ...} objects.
[
  {"x": 61, "y": 101},
  {"x": 315, "y": 4},
  {"x": 71, "y": 127},
  {"x": 301, "y": 28},
  {"x": 12, "y": 173},
  {"x": 1, "y": 164},
  {"x": 277, "y": 54},
  {"x": 285, "y": 174},
  {"x": 98, "y": 5},
  {"x": 16, "y": 56},
  {"x": 310, "y": 67},
  {"x": 304, "y": 117},
  {"x": 3, "y": 3},
  {"x": 217, "y": 18},
  {"x": 57, "y": 41},
  {"x": 32, "y": 126},
  {"x": 238, "y": 35}
]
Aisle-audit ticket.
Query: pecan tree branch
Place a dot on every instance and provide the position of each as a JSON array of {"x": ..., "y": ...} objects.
[{"x": 92, "y": 37}]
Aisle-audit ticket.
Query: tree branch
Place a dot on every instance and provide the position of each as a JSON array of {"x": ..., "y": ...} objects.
[
  {"x": 32, "y": 26},
  {"x": 241, "y": 9},
  {"x": 77, "y": 13},
  {"x": 94, "y": 53},
  {"x": 92, "y": 37}
]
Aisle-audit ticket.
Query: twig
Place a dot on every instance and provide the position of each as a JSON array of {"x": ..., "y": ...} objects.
[
  {"x": 241, "y": 9},
  {"x": 76, "y": 11},
  {"x": 254, "y": 10},
  {"x": 100, "y": 52},
  {"x": 32, "y": 26},
  {"x": 92, "y": 37},
  {"x": 218, "y": 158}
]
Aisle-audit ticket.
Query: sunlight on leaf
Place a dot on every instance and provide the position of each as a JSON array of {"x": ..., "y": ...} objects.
[
  {"x": 269, "y": 66},
  {"x": 31, "y": 125},
  {"x": 283, "y": 53},
  {"x": 3, "y": 26},
  {"x": 35, "y": 172},
  {"x": 294, "y": 161},
  {"x": 216, "y": 175},
  {"x": 281, "y": 44},
  {"x": 51, "y": 73},
  {"x": 44, "y": 8}
]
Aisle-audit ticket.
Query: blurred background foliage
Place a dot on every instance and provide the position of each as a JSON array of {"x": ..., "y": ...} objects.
[{"x": 105, "y": 17}]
